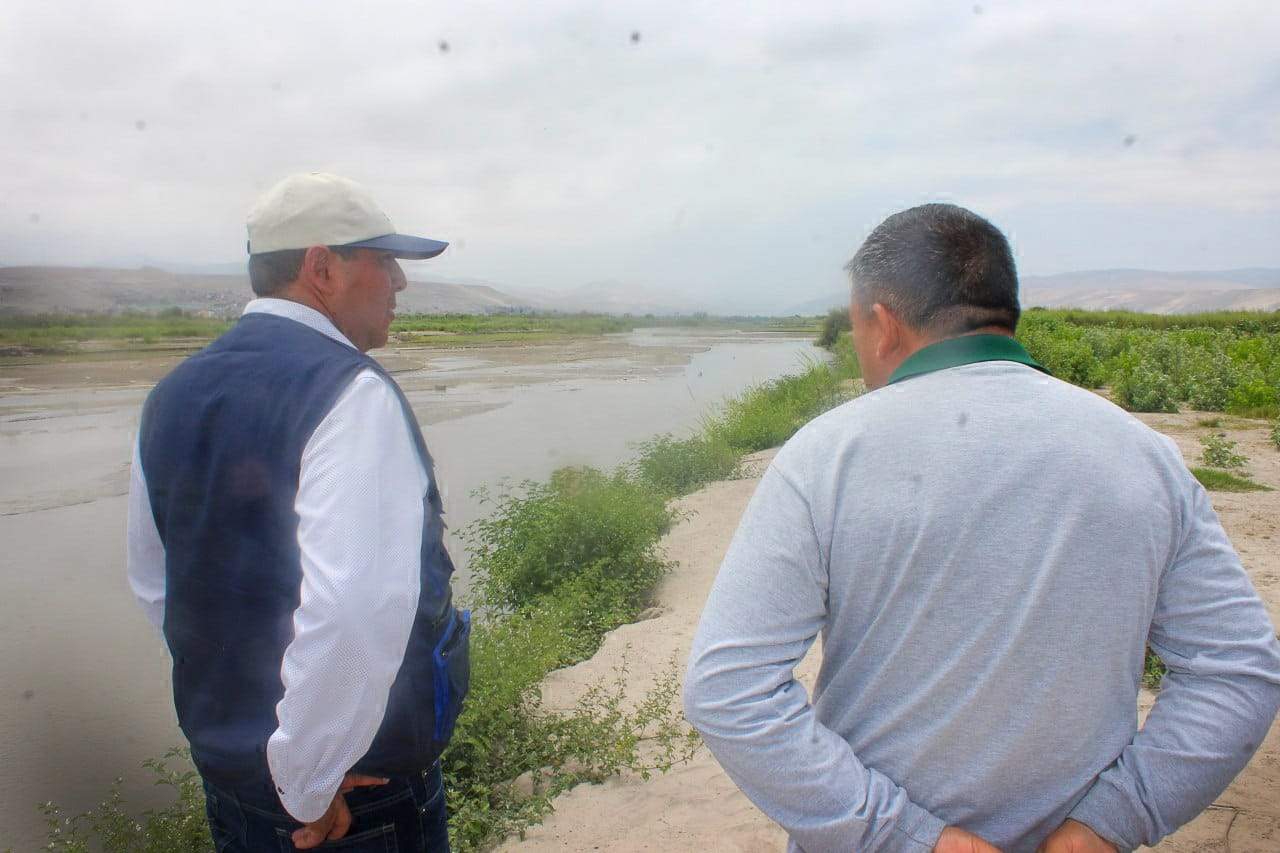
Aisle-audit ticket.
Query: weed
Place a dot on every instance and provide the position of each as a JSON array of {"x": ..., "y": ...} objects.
[
  {"x": 1153, "y": 670},
  {"x": 1220, "y": 452},
  {"x": 678, "y": 467}
]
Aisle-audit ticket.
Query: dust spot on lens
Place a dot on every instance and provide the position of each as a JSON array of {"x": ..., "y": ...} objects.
[
  {"x": 34, "y": 219},
  {"x": 443, "y": 46},
  {"x": 1129, "y": 140},
  {"x": 635, "y": 36},
  {"x": 140, "y": 124},
  {"x": 977, "y": 9}
]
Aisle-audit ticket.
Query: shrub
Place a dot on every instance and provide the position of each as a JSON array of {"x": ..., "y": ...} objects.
[
  {"x": 180, "y": 826},
  {"x": 1209, "y": 382},
  {"x": 768, "y": 415},
  {"x": 680, "y": 467},
  {"x": 1065, "y": 352},
  {"x": 581, "y": 518},
  {"x": 1220, "y": 452},
  {"x": 1253, "y": 395},
  {"x": 1143, "y": 388},
  {"x": 836, "y": 321},
  {"x": 1275, "y": 434}
]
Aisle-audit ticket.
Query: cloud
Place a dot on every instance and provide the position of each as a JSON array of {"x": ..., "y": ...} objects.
[{"x": 739, "y": 152}]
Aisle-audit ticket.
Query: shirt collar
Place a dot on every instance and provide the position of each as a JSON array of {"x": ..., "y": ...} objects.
[
  {"x": 299, "y": 313},
  {"x": 967, "y": 349}
]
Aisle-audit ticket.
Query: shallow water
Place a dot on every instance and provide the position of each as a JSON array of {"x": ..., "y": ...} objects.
[{"x": 84, "y": 682}]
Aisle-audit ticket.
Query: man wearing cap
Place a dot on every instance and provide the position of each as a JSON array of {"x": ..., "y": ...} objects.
[
  {"x": 987, "y": 552},
  {"x": 285, "y": 534}
]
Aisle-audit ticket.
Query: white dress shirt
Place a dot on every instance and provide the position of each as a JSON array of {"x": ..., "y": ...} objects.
[{"x": 359, "y": 504}]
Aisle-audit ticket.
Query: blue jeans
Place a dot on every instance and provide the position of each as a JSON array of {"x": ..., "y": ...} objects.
[{"x": 406, "y": 814}]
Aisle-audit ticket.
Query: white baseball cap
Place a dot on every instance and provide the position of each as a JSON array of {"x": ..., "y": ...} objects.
[{"x": 319, "y": 209}]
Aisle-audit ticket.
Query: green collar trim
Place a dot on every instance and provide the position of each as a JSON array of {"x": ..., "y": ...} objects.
[{"x": 968, "y": 349}]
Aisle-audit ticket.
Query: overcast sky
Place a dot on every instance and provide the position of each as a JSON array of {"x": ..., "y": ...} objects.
[{"x": 726, "y": 150}]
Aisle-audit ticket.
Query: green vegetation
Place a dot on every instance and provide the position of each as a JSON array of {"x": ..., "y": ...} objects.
[
  {"x": 180, "y": 826},
  {"x": 556, "y": 566},
  {"x": 52, "y": 334},
  {"x": 1153, "y": 669},
  {"x": 836, "y": 321},
  {"x": 1220, "y": 452},
  {"x": 1220, "y": 362},
  {"x": 55, "y": 333},
  {"x": 680, "y": 466},
  {"x": 1275, "y": 434},
  {"x": 1218, "y": 480}
]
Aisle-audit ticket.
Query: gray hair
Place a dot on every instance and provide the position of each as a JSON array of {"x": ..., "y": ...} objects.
[
  {"x": 940, "y": 269},
  {"x": 272, "y": 272}
]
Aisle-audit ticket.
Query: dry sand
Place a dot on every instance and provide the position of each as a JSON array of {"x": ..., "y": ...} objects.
[{"x": 696, "y": 807}]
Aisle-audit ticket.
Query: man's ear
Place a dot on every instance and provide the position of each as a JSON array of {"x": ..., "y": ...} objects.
[
  {"x": 317, "y": 269},
  {"x": 891, "y": 331}
]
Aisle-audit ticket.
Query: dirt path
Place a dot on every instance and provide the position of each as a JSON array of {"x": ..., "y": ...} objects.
[{"x": 696, "y": 807}]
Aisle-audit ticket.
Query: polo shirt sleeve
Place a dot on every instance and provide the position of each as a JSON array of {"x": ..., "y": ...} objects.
[
  {"x": 1217, "y": 700},
  {"x": 766, "y": 608}
]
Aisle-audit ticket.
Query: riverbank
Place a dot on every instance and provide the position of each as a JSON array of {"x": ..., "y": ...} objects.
[{"x": 696, "y": 807}]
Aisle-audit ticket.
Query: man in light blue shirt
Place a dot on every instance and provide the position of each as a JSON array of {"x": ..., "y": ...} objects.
[{"x": 987, "y": 552}]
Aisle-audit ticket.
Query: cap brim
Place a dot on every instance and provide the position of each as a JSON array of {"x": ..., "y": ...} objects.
[{"x": 403, "y": 246}]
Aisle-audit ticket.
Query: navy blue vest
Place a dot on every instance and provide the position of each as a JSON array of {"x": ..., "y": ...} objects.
[{"x": 221, "y": 443}]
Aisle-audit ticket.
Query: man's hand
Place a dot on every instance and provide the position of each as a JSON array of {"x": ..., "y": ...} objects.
[
  {"x": 956, "y": 840},
  {"x": 1075, "y": 837},
  {"x": 336, "y": 820}
]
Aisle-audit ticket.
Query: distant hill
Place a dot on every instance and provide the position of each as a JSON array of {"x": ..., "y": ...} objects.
[
  {"x": 82, "y": 290},
  {"x": 1152, "y": 291}
]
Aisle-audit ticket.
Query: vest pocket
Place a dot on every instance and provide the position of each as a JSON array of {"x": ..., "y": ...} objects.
[{"x": 451, "y": 661}]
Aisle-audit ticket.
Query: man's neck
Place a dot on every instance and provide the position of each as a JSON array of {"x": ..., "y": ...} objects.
[
  {"x": 922, "y": 341},
  {"x": 309, "y": 300},
  {"x": 919, "y": 341}
]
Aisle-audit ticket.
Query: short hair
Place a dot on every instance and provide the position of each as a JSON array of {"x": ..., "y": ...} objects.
[
  {"x": 941, "y": 269},
  {"x": 271, "y": 272}
]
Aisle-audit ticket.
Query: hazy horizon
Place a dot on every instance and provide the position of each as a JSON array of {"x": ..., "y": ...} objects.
[{"x": 719, "y": 154}]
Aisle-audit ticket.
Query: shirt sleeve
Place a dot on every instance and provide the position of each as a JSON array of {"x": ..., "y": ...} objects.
[
  {"x": 764, "y": 612},
  {"x": 144, "y": 550},
  {"x": 1217, "y": 699},
  {"x": 360, "y": 510}
]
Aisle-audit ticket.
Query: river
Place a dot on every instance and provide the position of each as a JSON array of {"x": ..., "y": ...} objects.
[{"x": 84, "y": 681}]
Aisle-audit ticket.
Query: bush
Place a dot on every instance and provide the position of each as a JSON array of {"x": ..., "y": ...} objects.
[
  {"x": 181, "y": 826},
  {"x": 836, "y": 321},
  {"x": 768, "y": 415},
  {"x": 1144, "y": 388},
  {"x": 1220, "y": 452},
  {"x": 580, "y": 519},
  {"x": 1275, "y": 434},
  {"x": 1209, "y": 382},
  {"x": 680, "y": 467}
]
